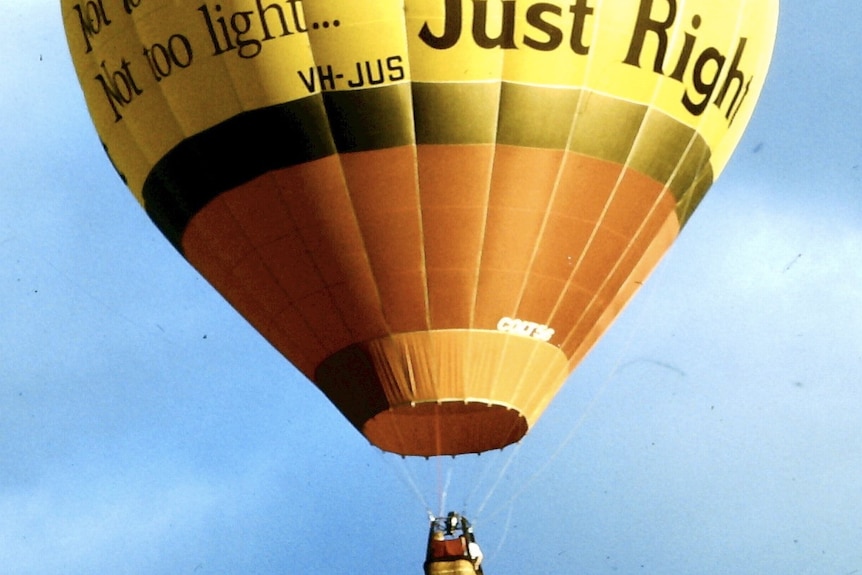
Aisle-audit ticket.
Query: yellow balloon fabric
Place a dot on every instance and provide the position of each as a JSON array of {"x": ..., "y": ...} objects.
[{"x": 432, "y": 208}]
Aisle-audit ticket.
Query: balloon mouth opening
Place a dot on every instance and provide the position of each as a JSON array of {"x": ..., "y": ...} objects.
[
  {"x": 443, "y": 392},
  {"x": 453, "y": 427}
]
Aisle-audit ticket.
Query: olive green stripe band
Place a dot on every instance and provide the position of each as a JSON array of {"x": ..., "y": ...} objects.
[
  {"x": 253, "y": 143},
  {"x": 580, "y": 121}
]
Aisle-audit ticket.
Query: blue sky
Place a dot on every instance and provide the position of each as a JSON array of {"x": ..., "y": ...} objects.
[{"x": 145, "y": 428}]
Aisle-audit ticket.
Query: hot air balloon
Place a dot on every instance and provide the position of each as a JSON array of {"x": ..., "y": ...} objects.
[{"x": 432, "y": 208}]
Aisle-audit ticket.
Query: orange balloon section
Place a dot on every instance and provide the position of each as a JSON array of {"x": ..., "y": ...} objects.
[{"x": 432, "y": 208}]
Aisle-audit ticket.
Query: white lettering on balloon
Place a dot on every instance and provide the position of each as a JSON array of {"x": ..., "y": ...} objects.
[{"x": 520, "y": 327}]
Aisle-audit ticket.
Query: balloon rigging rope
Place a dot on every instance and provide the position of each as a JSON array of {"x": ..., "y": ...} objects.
[
  {"x": 505, "y": 535},
  {"x": 444, "y": 489},
  {"x": 490, "y": 464},
  {"x": 544, "y": 467},
  {"x": 618, "y": 365},
  {"x": 408, "y": 479},
  {"x": 500, "y": 475}
]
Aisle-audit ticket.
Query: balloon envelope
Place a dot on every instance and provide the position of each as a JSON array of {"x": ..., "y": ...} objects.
[{"x": 432, "y": 208}]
